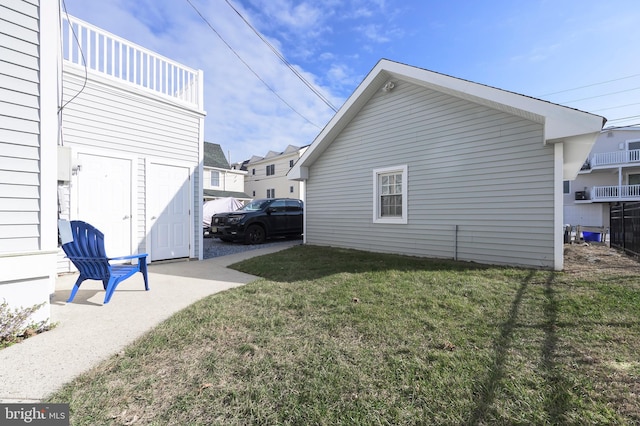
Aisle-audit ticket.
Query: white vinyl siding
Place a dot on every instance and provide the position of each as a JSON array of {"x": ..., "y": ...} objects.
[
  {"x": 28, "y": 137},
  {"x": 118, "y": 117},
  {"x": 479, "y": 176},
  {"x": 141, "y": 207},
  {"x": 19, "y": 128}
]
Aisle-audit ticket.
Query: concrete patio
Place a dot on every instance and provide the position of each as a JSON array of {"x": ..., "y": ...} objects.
[{"x": 88, "y": 332}]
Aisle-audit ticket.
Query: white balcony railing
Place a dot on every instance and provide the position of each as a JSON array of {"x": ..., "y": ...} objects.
[
  {"x": 616, "y": 193},
  {"x": 617, "y": 157},
  {"x": 118, "y": 58}
]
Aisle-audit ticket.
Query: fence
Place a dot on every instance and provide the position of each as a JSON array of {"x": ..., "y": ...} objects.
[
  {"x": 625, "y": 227},
  {"x": 118, "y": 58}
]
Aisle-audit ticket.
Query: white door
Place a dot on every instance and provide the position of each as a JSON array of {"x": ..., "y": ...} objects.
[
  {"x": 104, "y": 199},
  {"x": 169, "y": 211}
]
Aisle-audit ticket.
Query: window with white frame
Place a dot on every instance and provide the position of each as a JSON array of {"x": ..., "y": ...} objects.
[
  {"x": 271, "y": 193},
  {"x": 291, "y": 189},
  {"x": 290, "y": 163},
  {"x": 215, "y": 178},
  {"x": 390, "y": 195},
  {"x": 633, "y": 145},
  {"x": 566, "y": 187}
]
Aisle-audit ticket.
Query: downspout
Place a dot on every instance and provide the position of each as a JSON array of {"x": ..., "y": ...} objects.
[{"x": 303, "y": 197}]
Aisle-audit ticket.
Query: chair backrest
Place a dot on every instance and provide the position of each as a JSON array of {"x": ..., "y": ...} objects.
[{"x": 86, "y": 251}]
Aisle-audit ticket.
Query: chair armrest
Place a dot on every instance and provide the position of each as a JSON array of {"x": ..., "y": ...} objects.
[{"x": 133, "y": 256}]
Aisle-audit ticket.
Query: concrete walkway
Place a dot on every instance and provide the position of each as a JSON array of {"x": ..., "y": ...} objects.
[{"x": 89, "y": 332}]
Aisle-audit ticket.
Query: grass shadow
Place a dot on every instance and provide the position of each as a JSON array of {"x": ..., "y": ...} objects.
[
  {"x": 558, "y": 399},
  {"x": 558, "y": 395},
  {"x": 497, "y": 364}
]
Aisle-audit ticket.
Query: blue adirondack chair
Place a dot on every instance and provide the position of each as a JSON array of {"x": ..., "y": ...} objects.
[{"x": 87, "y": 253}]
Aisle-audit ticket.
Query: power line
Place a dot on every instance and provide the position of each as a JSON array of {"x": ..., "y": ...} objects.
[
  {"x": 600, "y": 96},
  {"x": 614, "y": 107},
  {"x": 591, "y": 85},
  {"x": 624, "y": 118},
  {"x": 84, "y": 62},
  {"x": 248, "y": 66},
  {"x": 284, "y": 60}
]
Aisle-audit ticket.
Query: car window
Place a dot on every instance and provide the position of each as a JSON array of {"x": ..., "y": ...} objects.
[
  {"x": 254, "y": 206},
  {"x": 278, "y": 205},
  {"x": 294, "y": 205}
]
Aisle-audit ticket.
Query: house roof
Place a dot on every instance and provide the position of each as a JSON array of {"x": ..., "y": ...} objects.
[
  {"x": 214, "y": 193},
  {"x": 214, "y": 157},
  {"x": 577, "y": 129},
  {"x": 290, "y": 149}
]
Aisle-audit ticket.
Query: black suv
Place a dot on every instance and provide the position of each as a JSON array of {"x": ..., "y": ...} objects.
[{"x": 259, "y": 220}]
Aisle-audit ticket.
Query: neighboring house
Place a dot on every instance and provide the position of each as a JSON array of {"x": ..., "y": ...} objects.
[
  {"x": 425, "y": 164},
  {"x": 220, "y": 180},
  {"x": 121, "y": 137},
  {"x": 611, "y": 174},
  {"x": 267, "y": 176},
  {"x": 28, "y": 137}
]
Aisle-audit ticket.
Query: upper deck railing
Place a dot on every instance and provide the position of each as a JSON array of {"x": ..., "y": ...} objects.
[
  {"x": 616, "y": 193},
  {"x": 601, "y": 159},
  {"x": 118, "y": 58}
]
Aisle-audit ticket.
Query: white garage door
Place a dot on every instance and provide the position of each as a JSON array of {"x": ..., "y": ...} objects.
[
  {"x": 104, "y": 199},
  {"x": 169, "y": 211}
]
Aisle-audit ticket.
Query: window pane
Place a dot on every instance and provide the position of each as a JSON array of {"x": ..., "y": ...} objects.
[
  {"x": 215, "y": 178},
  {"x": 391, "y": 205}
]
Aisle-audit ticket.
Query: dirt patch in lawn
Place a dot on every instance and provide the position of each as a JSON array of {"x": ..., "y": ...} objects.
[{"x": 587, "y": 259}]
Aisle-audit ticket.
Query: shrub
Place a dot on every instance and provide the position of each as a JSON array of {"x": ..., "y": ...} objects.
[{"x": 14, "y": 325}]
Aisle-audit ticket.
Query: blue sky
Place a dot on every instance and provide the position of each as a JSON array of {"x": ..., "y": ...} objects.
[{"x": 579, "y": 53}]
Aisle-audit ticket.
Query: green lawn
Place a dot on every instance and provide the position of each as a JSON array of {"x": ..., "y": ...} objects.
[{"x": 341, "y": 337}]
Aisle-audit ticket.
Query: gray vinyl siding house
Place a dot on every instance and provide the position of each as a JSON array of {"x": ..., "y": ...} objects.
[{"x": 479, "y": 170}]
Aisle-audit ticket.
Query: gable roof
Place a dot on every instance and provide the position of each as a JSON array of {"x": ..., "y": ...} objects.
[
  {"x": 577, "y": 129},
  {"x": 214, "y": 157}
]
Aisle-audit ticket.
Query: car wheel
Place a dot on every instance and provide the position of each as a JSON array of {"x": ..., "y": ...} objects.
[{"x": 255, "y": 235}]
